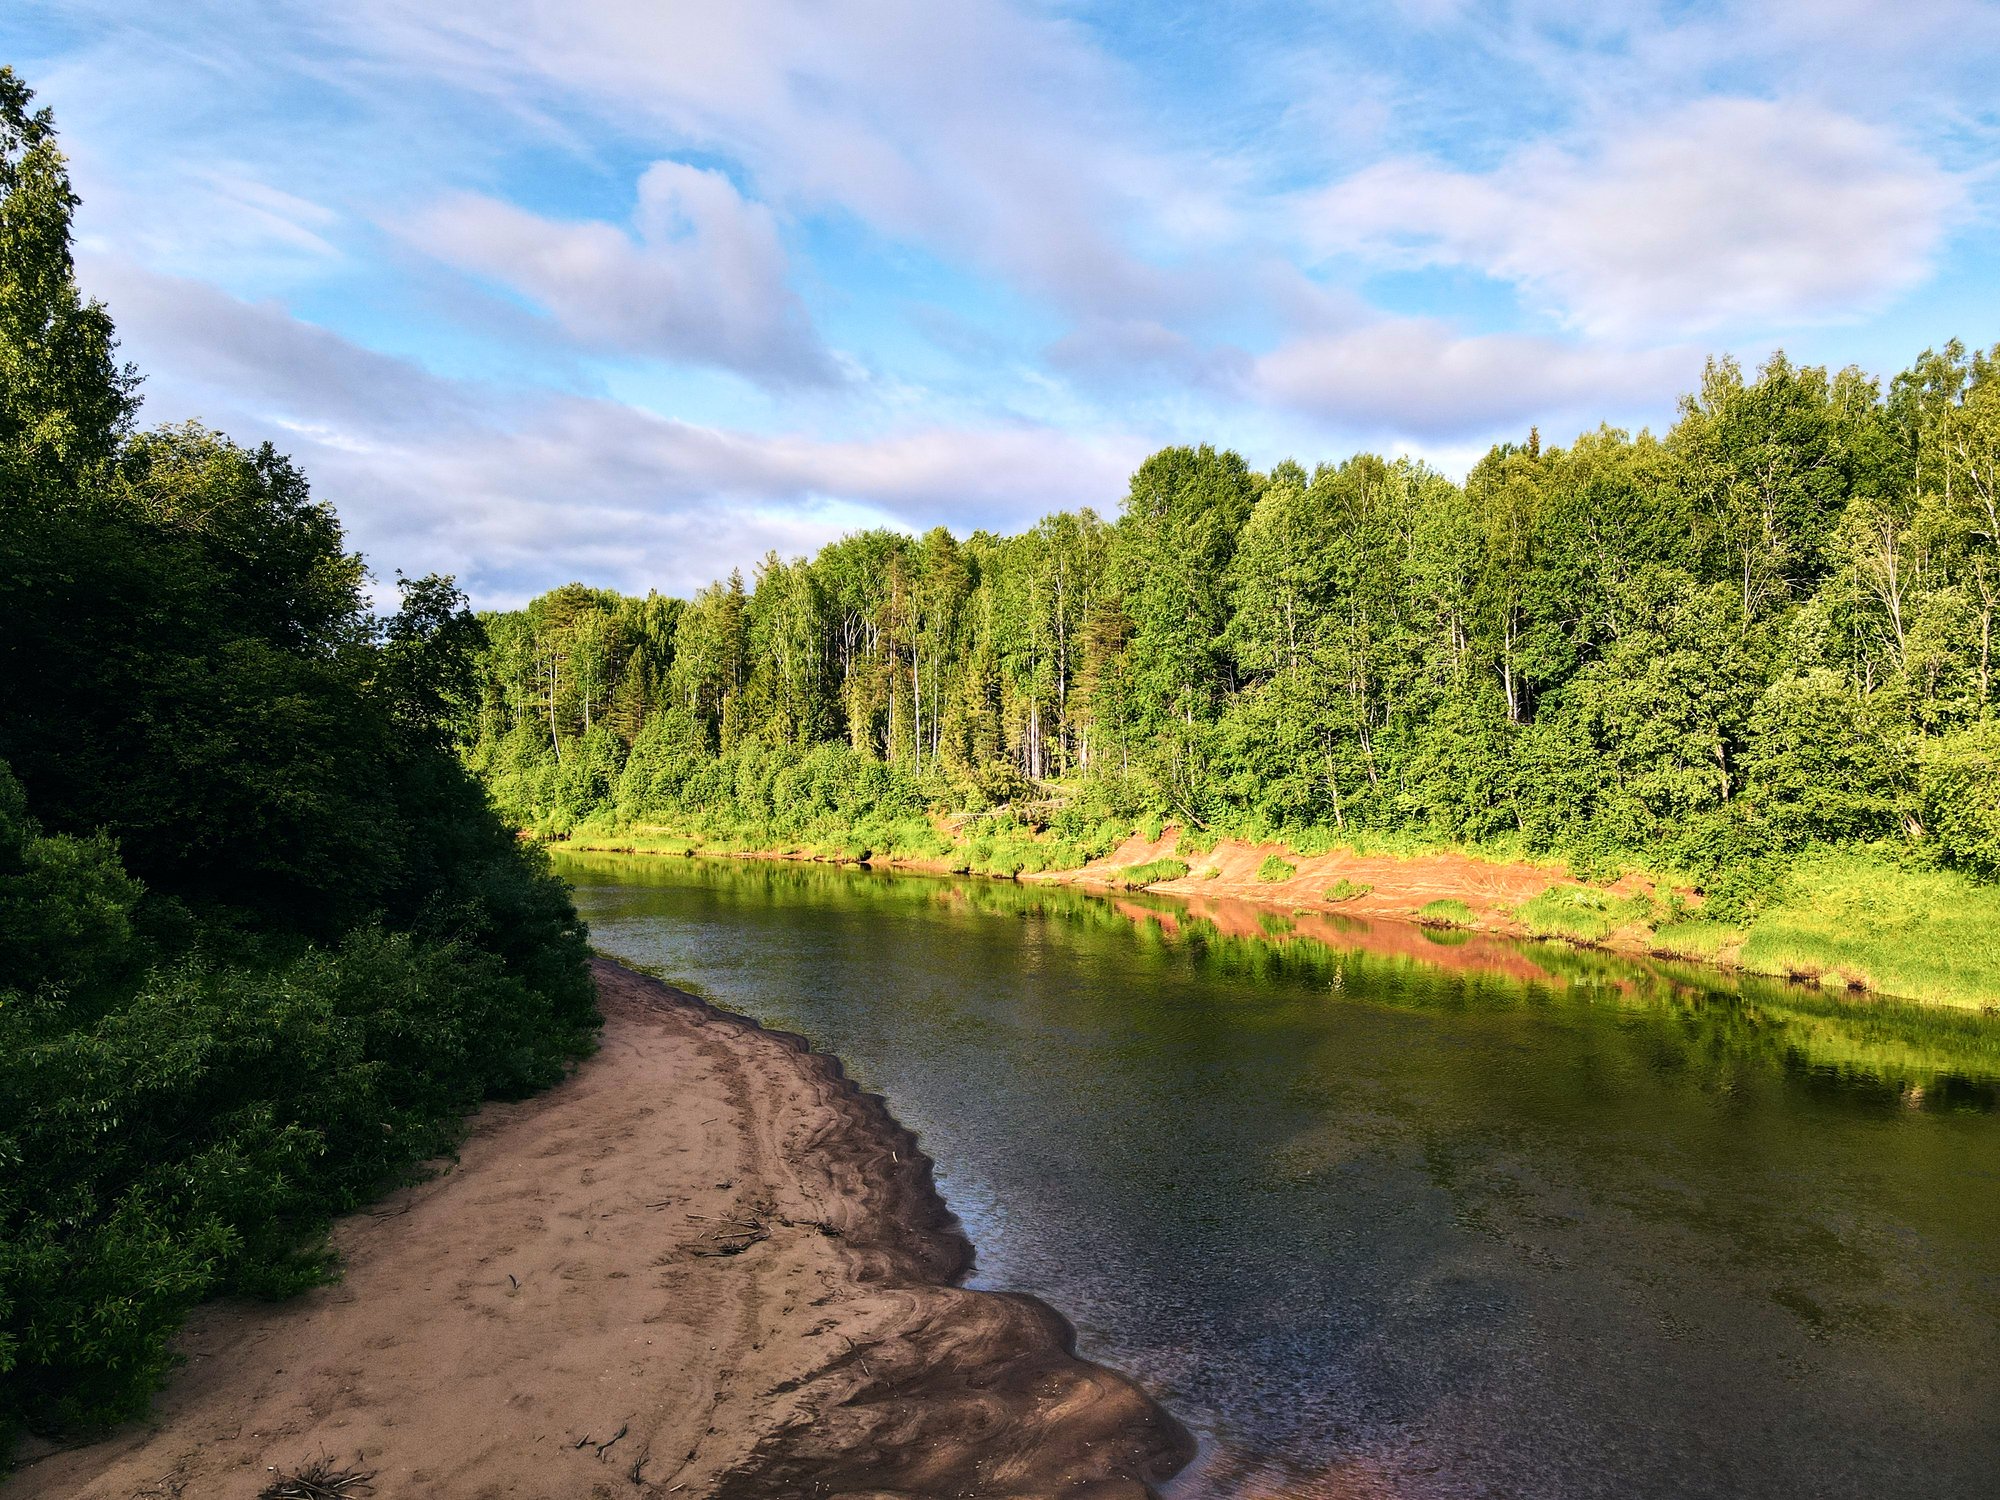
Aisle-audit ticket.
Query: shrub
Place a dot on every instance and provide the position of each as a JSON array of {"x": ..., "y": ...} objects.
[
  {"x": 1274, "y": 869},
  {"x": 1344, "y": 889},
  {"x": 1819, "y": 763},
  {"x": 1197, "y": 841},
  {"x": 274, "y": 940},
  {"x": 1959, "y": 781},
  {"x": 1739, "y": 892},
  {"x": 200, "y": 1137},
  {"x": 1153, "y": 872}
]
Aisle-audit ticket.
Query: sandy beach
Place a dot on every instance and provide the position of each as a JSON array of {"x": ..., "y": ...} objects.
[{"x": 706, "y": 1265}]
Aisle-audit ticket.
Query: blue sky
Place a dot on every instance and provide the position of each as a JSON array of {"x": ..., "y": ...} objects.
[{"x": 634, "y": 290}]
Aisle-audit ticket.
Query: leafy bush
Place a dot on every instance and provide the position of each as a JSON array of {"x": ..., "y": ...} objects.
[
  {"x": 1959, "y": 782},
  {"x": 1822, "y": 764},
  {"x": 1153, "y": 872},
  {"x": 1344, "y": 889},
  {"x": 1197, "y": 841},
  {"x": 263, "y": 940},
  {"x": 1275, "y": 869},
  {"x": 1737, "y": 893},
  {"x": 201, "y": 1136}
]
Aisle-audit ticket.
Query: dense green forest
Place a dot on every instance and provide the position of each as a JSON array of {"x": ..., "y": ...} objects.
[
  {"x": 1769, "y": 629},
  {"x": 262, "y": 939}
]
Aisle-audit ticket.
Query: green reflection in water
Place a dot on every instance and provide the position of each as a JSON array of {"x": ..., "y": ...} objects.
[
  {"x": 1377, "y": 1205},
  {"x": 1930, "y": 1057}
]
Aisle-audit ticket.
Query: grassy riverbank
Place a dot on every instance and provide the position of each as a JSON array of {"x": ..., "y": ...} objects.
[{"x": 1846, "y": 920}]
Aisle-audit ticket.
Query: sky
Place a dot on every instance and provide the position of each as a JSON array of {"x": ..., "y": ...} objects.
[{"x": 634, "y": 291}]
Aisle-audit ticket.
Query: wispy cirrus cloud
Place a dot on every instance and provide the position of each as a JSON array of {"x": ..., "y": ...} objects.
[
  {"x": 513, "y": 489},
  {"x": 990, "y": 132},
  {"x": 1727, "y": 212},
  {"x": 723, "y": 277}
]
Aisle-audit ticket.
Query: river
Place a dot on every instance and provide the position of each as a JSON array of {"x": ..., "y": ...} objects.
[{"x": 1383, "y": 1212}]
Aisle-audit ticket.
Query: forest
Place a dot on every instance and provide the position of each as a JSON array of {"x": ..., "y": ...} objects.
[
  {"x": 263, "y": 941},
  {"x": 1769, "y": 629}
]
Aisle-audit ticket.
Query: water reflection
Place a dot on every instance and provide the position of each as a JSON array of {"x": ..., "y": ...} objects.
[{"x": 1387, "y": 1215}]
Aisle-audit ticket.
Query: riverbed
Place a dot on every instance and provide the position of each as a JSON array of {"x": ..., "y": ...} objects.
[{"x": 1383, "y": 1212}]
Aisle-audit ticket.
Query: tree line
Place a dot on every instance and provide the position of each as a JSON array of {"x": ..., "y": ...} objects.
[
  {"x": 1771, "y": 626},
  {"x": 263, "y": 940}
]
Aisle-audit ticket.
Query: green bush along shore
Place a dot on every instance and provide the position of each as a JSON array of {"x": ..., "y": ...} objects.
[{"x": 263, "y": 940}]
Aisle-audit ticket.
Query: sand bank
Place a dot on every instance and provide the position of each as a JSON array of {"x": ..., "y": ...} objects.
[{"x": 707, "y": 1265}]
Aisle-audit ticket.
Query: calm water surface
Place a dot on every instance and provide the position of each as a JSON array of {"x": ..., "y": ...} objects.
[{"x": 1378, "y": 1215}]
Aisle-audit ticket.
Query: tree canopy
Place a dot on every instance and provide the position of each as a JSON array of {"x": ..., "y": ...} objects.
[{"x": 1771, "y": 626}]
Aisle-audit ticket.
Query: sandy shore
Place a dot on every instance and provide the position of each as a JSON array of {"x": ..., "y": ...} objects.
[
  {"x": 1394, "y": 888},
  {"x": 707, "y": 1265}
]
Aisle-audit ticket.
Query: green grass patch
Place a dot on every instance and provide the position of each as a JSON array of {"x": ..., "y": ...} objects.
[
  {"x": 1709, "y": 942},
  {"x": 1856, "y": 920},
  {"x": 1344, "y": 889},
  {"x": 1212, "y": 872},
  {"x": 1153, "y": 872},
  {"x": 1579, "y": 914},
  {"x": 1449, "y": 912},
  {"x": 1275, "y": 869},
  {"x": 632, "y": 843}
]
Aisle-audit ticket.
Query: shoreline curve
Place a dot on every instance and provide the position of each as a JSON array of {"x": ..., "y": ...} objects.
[
  {"x": 707, "y": 1263},
  {"x": 973, "y": 1392}
]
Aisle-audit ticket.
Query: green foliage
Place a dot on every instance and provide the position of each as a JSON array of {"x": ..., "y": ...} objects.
[
  {"x": 1274, "y": 869},
  {"x": 200, "y": 1136},
  {"x": 1767, "y": 631},
  {"x": 1344, "y": 889},
  {"x": 1824, "y": 761},
  {"x": 1445, "y": 913},
  {"x": 1855, "y": 919},
  {"x": 64, "y": 400},
  {"x": 1700, "y": 939},
  {"x": 263, "y": 940},
  {"x": 1959, "y": 777},
  {"x": 1153, "y": 872},
  {"x": 1737, "y": 892},
  {"x": 1197, "y": 841},
  {"x": 1581, "y": 914}
]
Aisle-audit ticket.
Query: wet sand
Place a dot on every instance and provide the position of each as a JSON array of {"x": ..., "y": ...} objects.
[{"x": 706, "y": 1265}]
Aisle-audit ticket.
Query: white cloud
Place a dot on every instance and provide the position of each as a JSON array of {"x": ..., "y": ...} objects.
[
  {"x": 517, "y": 491},
  {"x": 702, "y": 278},
  {"x": 1726, "y": 212},
  {"x": 1119, "y": 350},
  {"x": 979, "y": 129},
  {"x": 1416, "y": 377}
]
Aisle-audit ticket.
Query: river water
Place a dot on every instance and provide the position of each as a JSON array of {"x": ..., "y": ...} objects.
[{"x": 1382, "y": 1212}]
